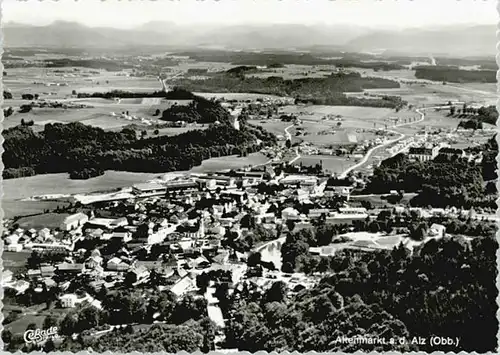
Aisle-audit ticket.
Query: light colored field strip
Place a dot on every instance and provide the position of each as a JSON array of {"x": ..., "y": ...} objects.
[{"x": 369, "y": 153}]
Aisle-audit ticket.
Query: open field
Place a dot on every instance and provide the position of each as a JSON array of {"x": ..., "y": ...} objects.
[
  {"x": 437, "y": 93},
  {"x": 15, "y": 261},
  {"x": 19, "y": 326},
  {"x": 331, "y": 164},
  {"x": 319, "y": 111},
  {"x": 17, "y": 208},
  {"x": 274, "y": 126},
  {"x": 433, "y": 121},
  {"x": 103, "y": 113},
  {"x": 229, "y": 162},
  {"x": 48, "y": 220},
  {"x": 58, "y": 185},
  {"x": 97, "y": 116},
  {"x": 22, "y": 80},
  {"x": 235, "y": 95},
  {"x": 361, "y": 122},
  {"x": 54, "y": 184},
  {"x": 293, "y": 71},
  {"x": 15, "y": 190}
]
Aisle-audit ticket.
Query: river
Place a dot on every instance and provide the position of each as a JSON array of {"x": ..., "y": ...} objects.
[{"x": 271, "y": 251}]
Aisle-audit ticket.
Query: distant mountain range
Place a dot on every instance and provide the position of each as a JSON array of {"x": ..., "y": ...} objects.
[{"x": 450, "y": 40}]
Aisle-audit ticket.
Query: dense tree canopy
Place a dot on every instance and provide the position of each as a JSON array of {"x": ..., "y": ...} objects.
[
  {"x": 444, "y": 181},
  {"x": 325, "y": 91},
  {"x": 86, "y": 151},
  {"x": 454, "y": 74}
]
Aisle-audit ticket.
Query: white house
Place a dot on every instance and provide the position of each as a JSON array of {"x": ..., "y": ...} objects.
[
  {"x": 184, "y": 286},
  {"x": 68, "y": 300},
  {"x": 93, "y": 261},
  {"x": 14, "y": 247},
  {"x": 44, "y": 233},
  {"x": 117, "y": 264},
  {"x": 289, "y": 213},
  {"x": 437, "y": 230},
  {"x": 74, "y": 221},
  {"x": 12, "y": 239}
]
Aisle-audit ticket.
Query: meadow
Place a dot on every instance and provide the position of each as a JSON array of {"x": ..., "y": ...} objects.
[
  {"x": 229, "y": 162},
  {"x": 331, "y": 164},
  {"x": 362, "y": 122},
  {"x": 46, "y": 220},
  {"x": 56, "y": 184},
  {"x": 17, "y": 192}
]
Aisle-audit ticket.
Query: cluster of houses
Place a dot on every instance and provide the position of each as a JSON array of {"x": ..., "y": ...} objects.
[
  {"x": 177, "y": 228},
  {"x": 431, "y": 150}
]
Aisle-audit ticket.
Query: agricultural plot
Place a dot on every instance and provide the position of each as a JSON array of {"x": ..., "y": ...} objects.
[
  {"x": 319, "y": 111},
  {"x": 276, "y": 127},
  {"x": 171, "y": 131},
  {"x": 57, "y": 184},
  {"x": 97, "y": 116},
  {"x": 433, "y": 121},
  {"x": 331, "y": 164},
  {"x": 229, "y": 162},
  {"x": 430, "y": 94},
  {"x": 19, "y": 326},
  {"x": 292, "y": 71},
  {"x": 240, "y": 96},
  {"x": 48, "y": 220},
  {"x": 17, "y": 208},
  {"x": 345, "y": 124}
]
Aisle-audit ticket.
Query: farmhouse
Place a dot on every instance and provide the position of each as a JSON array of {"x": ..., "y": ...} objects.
[
  {"x": 450, "y": 152},
  {"x": 68, "y": 300},
  {"x": 423, "y": 153},
  {"x": 74, "y": 221},
  {"x": 116, "y": 264},
  {"x": 149, "y": 189},
  {"x": 437, "y": 230},
  {"x": 302, "y": 180},
  {"x": 347, "y": 216}
]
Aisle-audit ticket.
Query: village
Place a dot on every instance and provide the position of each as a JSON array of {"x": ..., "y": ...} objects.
[{"x": 183, "y": 226}]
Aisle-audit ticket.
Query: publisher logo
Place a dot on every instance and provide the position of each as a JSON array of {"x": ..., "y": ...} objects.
[{"x": 40, "y": 336}]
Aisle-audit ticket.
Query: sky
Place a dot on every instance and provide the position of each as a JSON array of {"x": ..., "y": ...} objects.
[{"x": 370, "y": 13}]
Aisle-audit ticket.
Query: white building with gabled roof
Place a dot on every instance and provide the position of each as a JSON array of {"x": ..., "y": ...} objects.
[{"x": 74, "y": 221}]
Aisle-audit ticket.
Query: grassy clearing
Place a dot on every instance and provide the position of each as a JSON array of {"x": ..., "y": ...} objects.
[
  {"x": 235, "y": 95},
  {"x": 26, "y": 208},
  {"x": 437, "y": 93},
  {"x": 20, "y": 188},
  {"x": 378, "y": 201},
  {"x": 19, "y": 326},
  {"x": 274, "y": 126},
  {"x": 15, "y": 261},
  {"x": 331, "y": 164},
  {"x": 48, "y": 220},
  {"x": 98, "y": 117},
  {"x": 318, "y": 111},
  {"x": 230, "y": 162}
]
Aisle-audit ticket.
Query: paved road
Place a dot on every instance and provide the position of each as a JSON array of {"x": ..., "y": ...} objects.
[
  {"x": 401, "y": 136},
  {"x": 289, "y": 136}
]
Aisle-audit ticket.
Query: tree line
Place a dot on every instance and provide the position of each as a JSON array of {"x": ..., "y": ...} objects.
[
  {"x": 454, "y": 74},
  {"x": 85, "y": 151},
  {"x": 444, "y": 181},
  {"x": 327, "y": 90},
  {"x": 445, "y": 287},
  {"x": 277, "y": 60}
]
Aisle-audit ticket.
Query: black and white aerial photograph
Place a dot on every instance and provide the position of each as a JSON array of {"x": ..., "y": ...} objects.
[{"x": 249, "y": 175}]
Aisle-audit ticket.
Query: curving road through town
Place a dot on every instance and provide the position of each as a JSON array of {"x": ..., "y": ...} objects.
[{"x": 401, "y": 136}]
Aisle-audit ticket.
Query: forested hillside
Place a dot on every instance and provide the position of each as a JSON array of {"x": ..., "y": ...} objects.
[{"x": 86, "y": 151}]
